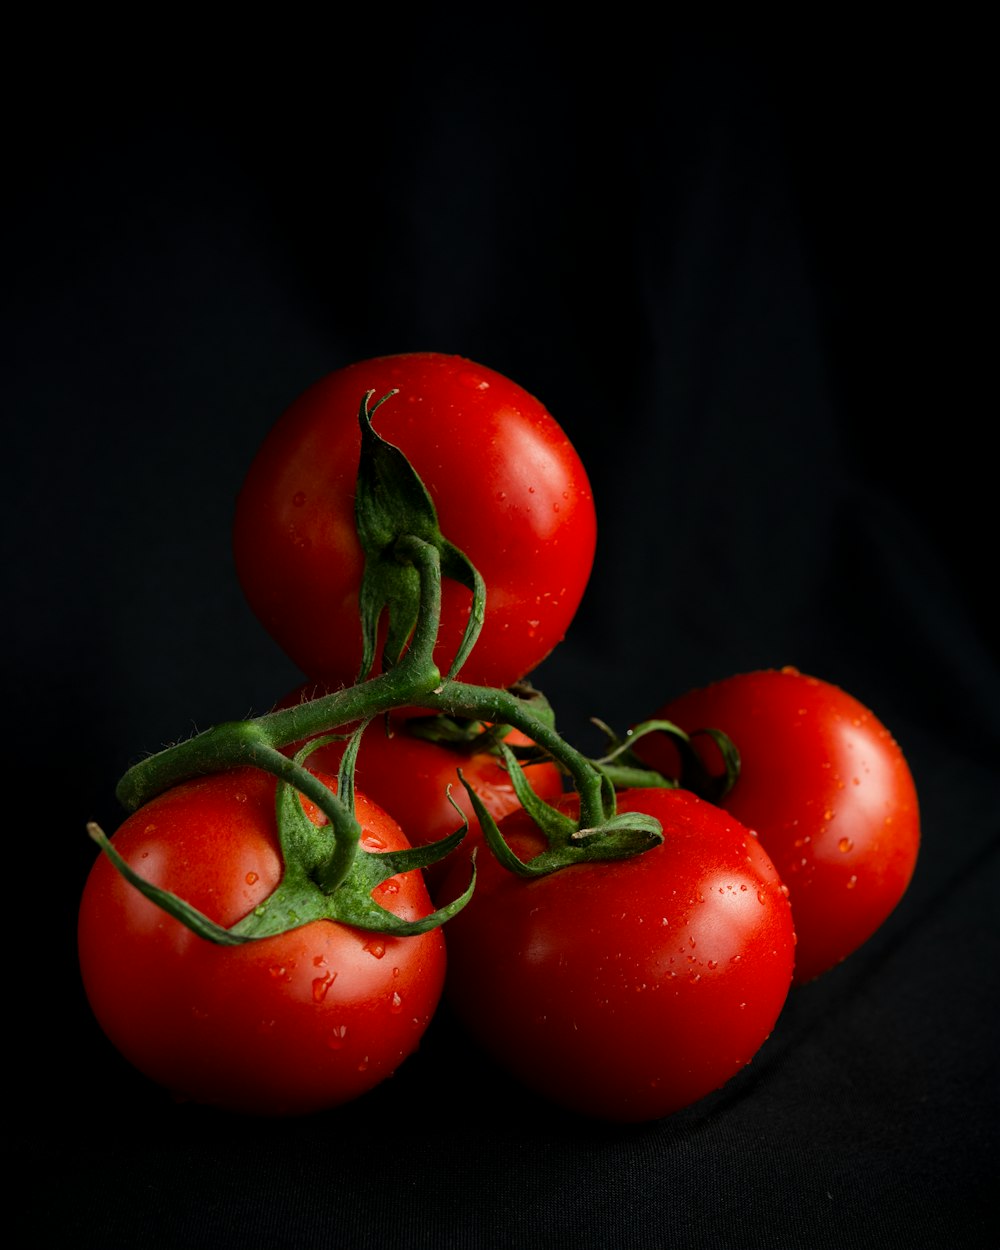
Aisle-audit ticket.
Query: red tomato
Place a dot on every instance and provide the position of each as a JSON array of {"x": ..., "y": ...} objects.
[
  {"x": 409, "y": 777},
  {"x": 626, "y": 990},
  {"x": 827, "y": 789},
  {"x": 284, "y": 1025},
  {"x": 509, "y": 489}
]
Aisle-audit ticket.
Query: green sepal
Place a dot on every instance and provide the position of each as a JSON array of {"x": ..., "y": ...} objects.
[
  {"x": 556, "y": 825},
  {"x": 622, "y": 766},
  {"x": 619, "y": 836},
  {"x": 174, "y": 906},
  {"x": 300, "y": 898},
  {"x": 391, "y": 503}
]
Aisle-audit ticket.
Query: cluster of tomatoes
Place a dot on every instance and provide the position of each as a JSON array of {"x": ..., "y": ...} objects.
[{"x": 623, "y": 986}]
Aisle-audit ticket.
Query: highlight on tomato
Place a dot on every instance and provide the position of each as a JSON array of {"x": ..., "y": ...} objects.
[
  {"x": 510, "y": 493},
  {"x": 288, "y": 1024},
  {"x": 626, "y": 989},
  {"x": 827, "y": 789}
]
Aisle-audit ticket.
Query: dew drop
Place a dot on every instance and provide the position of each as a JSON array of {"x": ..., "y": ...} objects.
[
  {"x": 337, "y": 1037},
  {"x": 372, "y": 842},
  {"x": 473, "y": 381},
  {"x": 321, "y": 985},
  {"x": 762, "y": 897},
  {"x": 844, "y": 845},
  {"x": 251, "y": 878},
  {"x": 852, "y": 882},
  {"x": 396, "y": 1003},
  {"x": 375, "y": 948}
]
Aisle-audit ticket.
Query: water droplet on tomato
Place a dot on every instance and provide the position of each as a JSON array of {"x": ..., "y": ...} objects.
[
  {"x": 761, "y": 896},
  {"x": 396, "y": 1002},
  {"x": 844, "y": 845},
  {"x": 375, "y": 948},
  {"x": 279, "y": 972},
  {"x": 251, "y": 878},
  {"x": 852, "y": 882},
  {"x": 363, "y": 1065},
  {"x": 473, "y": 381},
  {"x": 321, "y": 985},
  {"x": 337, "y": 1038},
  {"x": 372, "y": 842}
]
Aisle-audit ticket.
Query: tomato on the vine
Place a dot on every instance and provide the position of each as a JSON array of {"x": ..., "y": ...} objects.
[
  {"x": 828, "y": 790},
  {"x": 289, "y": 1024},
  {"x": 509, "y": 489},
  {"x": 626, "y": 989}
]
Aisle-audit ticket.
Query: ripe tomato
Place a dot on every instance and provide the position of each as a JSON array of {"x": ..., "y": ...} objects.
[
  {"x": 827, "y": 789},
  {"x": 509, "y": 489},
  {"x": 626, "y": 990},
  {"x": 409, "y": 777},
  {"x": 284, "y": 1025}
]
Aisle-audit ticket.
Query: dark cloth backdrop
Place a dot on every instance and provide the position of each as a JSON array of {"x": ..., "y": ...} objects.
[{"x": 744, "y": 275}]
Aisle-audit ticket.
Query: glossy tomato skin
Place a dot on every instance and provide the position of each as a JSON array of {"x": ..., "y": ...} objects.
[
  {"x": 410, "y": 778},
  {"x": 829, "y": 792},
  {"x": 285, "y": 1025},
  {"x": 510, "y": 492},
  {"x": 625, "y": 991}
]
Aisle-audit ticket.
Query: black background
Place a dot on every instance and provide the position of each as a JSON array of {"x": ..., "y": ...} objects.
[{"x": 744, "y": 273}]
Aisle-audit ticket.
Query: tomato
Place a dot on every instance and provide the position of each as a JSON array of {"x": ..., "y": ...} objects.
[
  {"x": 509, "y": 489},
  {"x": 290, "y": 1024},
  {"x": 626, "y": 990},
  {"x": 409, "y": 777},
  {"x": 827, "y": 789}
]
